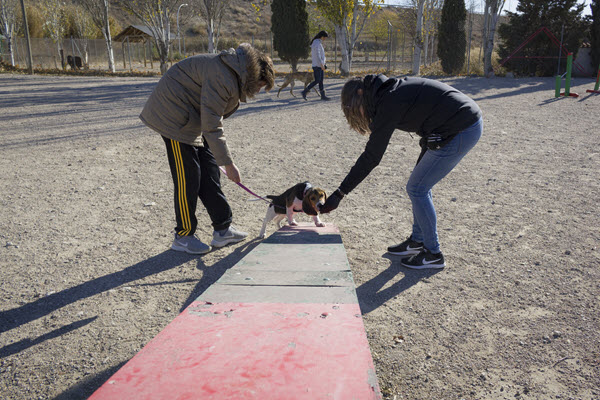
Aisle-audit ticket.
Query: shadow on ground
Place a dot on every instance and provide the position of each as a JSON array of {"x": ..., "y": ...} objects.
[{"x": 370, "y": 295}]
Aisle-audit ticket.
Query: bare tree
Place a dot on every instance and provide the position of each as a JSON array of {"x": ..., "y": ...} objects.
[
  {"x": 471, "y": 13},
  {"x": 156, "y": 16},
  {"x": 84, "y": 30},
  {"x": 378, "y": 27},
  {"x": 98, "y": 11},
  {"x": 8, "y": 21},
  {"x": 493, "y": 9},
  {"x": 420, "y": 7},
  {"x": 431, "y": 21},
  {"x": 349, "y": 18},
  {"x": 212, "y": 12},
  {"x": 53, "y": 13}
]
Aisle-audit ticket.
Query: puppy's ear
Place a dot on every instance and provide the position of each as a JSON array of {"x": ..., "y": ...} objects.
[{"x": 307, "y": 206}]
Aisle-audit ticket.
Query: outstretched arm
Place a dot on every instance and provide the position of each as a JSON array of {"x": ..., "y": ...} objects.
[{"x": 368, "y": 160}]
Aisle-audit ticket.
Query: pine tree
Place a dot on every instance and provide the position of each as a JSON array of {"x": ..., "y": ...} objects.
[
  {"x": 453, "y": 40},
  {"x": 539, "y": 56},
  {"x": 289, "y": 24},
  {"x": 595, "y": 33}
]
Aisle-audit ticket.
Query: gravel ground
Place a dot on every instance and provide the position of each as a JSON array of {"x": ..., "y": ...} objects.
[{"x": 86, "y": 217}]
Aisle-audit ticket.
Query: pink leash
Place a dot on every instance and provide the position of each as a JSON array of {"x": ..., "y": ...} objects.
[{"x": 245, "y": 188}]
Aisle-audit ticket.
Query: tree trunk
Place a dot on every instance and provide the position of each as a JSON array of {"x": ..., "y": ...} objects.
[
  {"x": 108, "y": 39},
  {"x": 432, "y": 47},
  {"x": 9, "y": 44},
  {"x": 418, "y": 39},
  {"x": 163, "y": 50},
  {"x": 486, "y": 19},
  {"x": 426, "y": 47},
  {"x": 86, "y": 52},
  {"x": 340, "y": 32},
  {"x": 489, "y": 40},
  {"x": 210, "y": 31},
  {"x": 63, "y": 64}
]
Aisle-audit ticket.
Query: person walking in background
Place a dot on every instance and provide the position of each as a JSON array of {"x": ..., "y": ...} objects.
[
  {"x": 318, "y": 64},
  {"x": 187, "y": 108},
  {"x": 449, "y": 124}
]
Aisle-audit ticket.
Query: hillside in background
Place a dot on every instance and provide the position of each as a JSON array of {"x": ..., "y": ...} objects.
[{"x": 240, "y": 21}]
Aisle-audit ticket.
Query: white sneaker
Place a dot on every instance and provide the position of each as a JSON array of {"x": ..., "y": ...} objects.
[
  {"x": 189, "y": 244},
  {"x": 231, "y": 236}
]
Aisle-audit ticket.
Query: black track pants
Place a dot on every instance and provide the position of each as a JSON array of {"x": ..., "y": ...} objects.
[{"x": 196, "y": 175}]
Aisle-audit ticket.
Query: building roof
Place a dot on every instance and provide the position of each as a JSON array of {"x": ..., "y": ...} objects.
[{"x": 137, "y": 33}]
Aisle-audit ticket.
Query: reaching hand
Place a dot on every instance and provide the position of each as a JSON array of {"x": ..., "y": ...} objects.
[{"x": 332, "y": 202}]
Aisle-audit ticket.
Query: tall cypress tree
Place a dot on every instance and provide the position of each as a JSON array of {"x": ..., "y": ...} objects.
[
  {"x": 453, "y": 39},
  {"x": 289, "y": 24},
  {"x": 595, "y": 33},
  {"x": 539, "y": 56}
]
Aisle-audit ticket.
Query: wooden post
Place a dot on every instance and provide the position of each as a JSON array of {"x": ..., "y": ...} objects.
[
  {"x": 129, "y": 54},
  {"x": 123, "y": 50},
  {"x": 26, "y": 27}
]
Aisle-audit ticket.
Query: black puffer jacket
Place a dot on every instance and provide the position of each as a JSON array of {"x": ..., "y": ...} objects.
[{"x": 433, "y": 110}]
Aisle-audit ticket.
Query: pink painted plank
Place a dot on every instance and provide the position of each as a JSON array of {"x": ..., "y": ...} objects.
[
  {"x": 309, "y": 226},
  {"x": 252, "y": 351}
]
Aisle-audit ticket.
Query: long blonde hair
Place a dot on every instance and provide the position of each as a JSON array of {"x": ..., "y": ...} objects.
[{"x": 354, "y": 106}]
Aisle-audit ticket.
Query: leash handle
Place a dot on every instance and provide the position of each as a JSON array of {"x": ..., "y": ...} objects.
[{"x": 245, "y": 188}]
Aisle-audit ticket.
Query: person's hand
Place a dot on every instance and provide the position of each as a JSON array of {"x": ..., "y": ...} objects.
[
  {"x": 325, "y": 67},
  {"x": 233, "y": 173},
  {"x": 332, "y": 202}
]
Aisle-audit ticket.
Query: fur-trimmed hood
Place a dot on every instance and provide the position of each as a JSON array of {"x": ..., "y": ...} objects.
[{"x": 245, "y": 62}]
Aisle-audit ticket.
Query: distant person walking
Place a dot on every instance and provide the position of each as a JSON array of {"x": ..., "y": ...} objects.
[{"x": 318, "y": 64}]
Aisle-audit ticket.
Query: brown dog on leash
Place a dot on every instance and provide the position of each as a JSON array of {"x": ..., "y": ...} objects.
[
  {"x": 304, "y": 77},
  {"x": 301, "y": 197}
]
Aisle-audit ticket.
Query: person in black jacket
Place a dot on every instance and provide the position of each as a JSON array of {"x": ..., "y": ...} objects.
[{"x": 449, "y": 124}]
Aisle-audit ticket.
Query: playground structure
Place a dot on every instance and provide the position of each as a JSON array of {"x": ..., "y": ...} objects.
[
  {"x": 597, "y": 86},
  {"x": 567, "y": 74},
  {"x": 562, "y": 51}
]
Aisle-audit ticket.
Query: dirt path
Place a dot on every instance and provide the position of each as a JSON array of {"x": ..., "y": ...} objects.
[{"x": 86, "y": 218}]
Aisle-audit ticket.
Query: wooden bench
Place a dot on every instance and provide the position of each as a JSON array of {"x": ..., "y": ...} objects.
[{"x": 283, "y": 323}]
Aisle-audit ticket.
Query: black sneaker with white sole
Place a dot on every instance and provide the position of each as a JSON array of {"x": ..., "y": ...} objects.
[
  {"x": 407, "y": 248},
  {"x": 424, "y": 260}
]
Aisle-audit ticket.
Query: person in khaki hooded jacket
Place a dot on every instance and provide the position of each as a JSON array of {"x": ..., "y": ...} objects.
[{"x": 187, "y": 108}]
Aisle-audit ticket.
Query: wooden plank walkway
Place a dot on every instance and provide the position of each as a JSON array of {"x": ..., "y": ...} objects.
[{"x": 283, "y": 323}]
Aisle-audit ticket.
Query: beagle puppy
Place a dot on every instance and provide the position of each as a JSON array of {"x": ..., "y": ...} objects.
[{"x": 299, "y": 198}]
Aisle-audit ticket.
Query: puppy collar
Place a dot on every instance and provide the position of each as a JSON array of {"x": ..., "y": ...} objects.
[{"x": 306, "y": 189}]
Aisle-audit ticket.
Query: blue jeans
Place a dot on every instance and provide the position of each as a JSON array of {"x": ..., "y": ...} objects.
[
  {"x": 319, "y": 74},
  {"x": 434, "y": 166}
]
